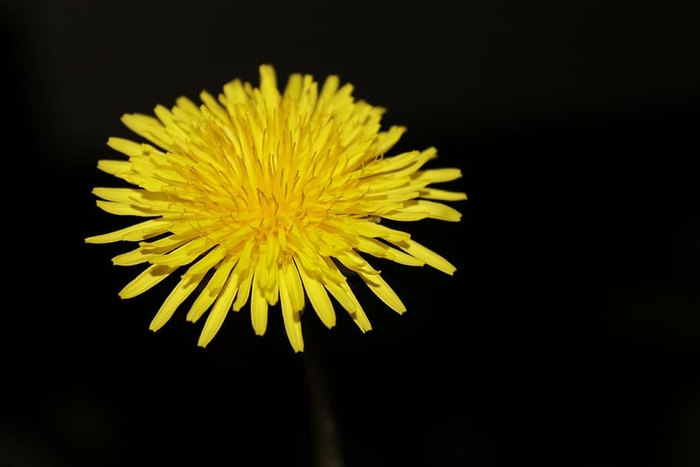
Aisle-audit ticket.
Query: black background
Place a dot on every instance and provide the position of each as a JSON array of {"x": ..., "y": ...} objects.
[{"x": 569, "y": 335}]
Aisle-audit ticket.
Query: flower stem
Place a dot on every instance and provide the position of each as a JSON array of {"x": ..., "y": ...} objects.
[{"x": 324, "y": 428}]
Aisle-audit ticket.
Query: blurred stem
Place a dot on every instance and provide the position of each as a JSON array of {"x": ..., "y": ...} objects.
[{"x": 326, "y": 439}]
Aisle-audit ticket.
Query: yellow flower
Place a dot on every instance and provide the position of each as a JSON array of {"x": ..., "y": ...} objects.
[{"x": 265, "y": 194}]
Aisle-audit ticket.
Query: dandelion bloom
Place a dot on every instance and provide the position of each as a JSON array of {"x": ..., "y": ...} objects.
[{"x": 265, "y": 195}]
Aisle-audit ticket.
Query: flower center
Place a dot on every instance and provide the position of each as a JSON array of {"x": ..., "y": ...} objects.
[{"x": 275, "y": 212}]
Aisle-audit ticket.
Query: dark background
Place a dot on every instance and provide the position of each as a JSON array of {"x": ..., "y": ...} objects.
[{"x": 569, "y": 335}]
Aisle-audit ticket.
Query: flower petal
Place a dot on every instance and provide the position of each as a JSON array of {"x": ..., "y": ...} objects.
[
  {"x": 147, "y": 279},
  {"x": 317, "y": 296},
  {"x": 442, "y": 195},
  {"x": 430, "y": 257},
  {"x": 292, "y": 301},
  {"x": 219, "y": 311},
  {"x": 212, "y": 289},
  {"x": 182, "y": 290},
  {"x": 258, "y": 306}
]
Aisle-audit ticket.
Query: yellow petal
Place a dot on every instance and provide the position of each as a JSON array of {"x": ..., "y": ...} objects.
[
  {"x": 290, "y": 313},
  {"x": 207, "y": 262},
  {"x": 219, "y": 311},
  {"x": 148, "y": 127},
  {"x": 268, "y": 86},
  {"x": 121, "y": 195},
  {"x": 182, "y": 290},
  {"x": 379, "y": 286},
  {"x": 245, "y": 269},
  {"x": 133, "y": 257},
  {"x": 293, "y": 89},
  {"x": 424, "y": 209},
  {"x": 258, "y": 307},
  {"x": 318, "y": 297},
  {"x": 186, "y": 106},
  {"x": 117, "y": 168},
  {"x": 430, "y": 257},
  {"x": 133, "y": 233},
  {"x": 212, "y": 290},
  {"x": 341, "y": 291},
  {"x": 294, "y": 285},
  {"x": 382, "y": 250},
  {"x": 213, "y": 106},
  {"x": 406, "y": 214},
  {"x": 387, "y": 139},
  {"x": 330, "y": 87},
  {"x": 120, "y": 209},
  {"x": 125, "y": 146},
  {"x": 437, "y": 175},
  {"x": 374, "y": 229},
  {"x": 185, "y": 254},
  {"x": 147, "y": 279},
  {"x": 400, "y": 165},
  {"x": 373, "y": 279},
  {"x": 442, "y": 195},
  {"x": 244, "y": 289}
]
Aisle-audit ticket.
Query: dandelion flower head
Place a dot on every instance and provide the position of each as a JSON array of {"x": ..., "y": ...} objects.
[{"x": 264, "y": 197}]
